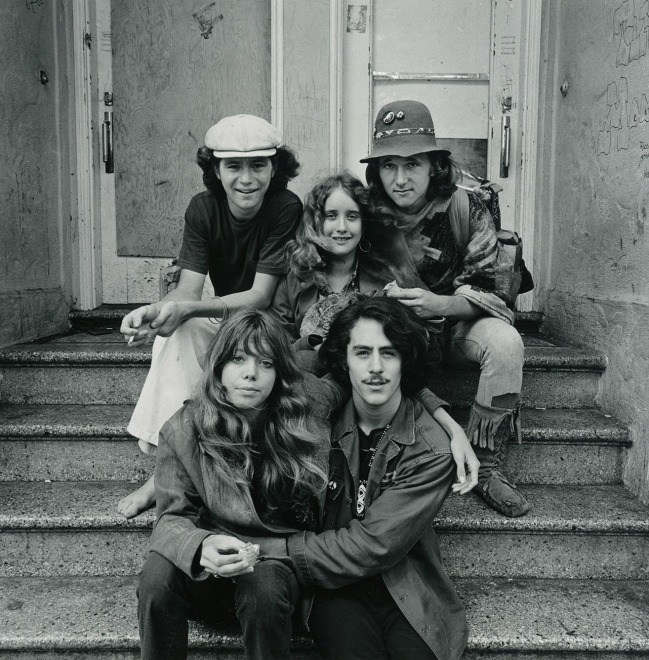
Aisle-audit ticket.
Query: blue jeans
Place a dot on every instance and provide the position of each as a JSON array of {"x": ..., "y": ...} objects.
[
  {"x": 497, "y": 348},
  {"x": 264, "y": 602}
]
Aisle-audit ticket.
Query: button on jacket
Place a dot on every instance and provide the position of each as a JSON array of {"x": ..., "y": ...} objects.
[{"x": 409, "y": 480}]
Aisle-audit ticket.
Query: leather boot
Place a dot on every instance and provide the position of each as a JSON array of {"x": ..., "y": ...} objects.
[{"x": 498, "y": 426}]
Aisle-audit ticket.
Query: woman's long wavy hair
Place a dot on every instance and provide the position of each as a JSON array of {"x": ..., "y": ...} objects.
[
  {"x": 383, "y": 259},
  {"x": 443, "y": 180},
  {"x": 284, "y": 161},
  {"x": 291, "y": 454}
]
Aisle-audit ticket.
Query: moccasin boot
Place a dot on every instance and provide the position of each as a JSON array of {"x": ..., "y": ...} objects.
[
  {"x": 493, "y": 487},
  {"x": 490, "y": 429}
]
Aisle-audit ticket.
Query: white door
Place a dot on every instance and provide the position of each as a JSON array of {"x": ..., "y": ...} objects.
[{"x": 465, "y": 60}]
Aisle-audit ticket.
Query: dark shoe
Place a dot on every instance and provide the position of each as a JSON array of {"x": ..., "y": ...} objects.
[{"x": 501, "y": 495}]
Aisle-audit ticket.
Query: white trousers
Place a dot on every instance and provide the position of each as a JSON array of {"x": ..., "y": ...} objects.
[{"x": 176, "y": 368}]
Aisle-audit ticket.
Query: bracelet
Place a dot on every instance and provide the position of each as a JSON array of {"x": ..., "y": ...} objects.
[{"x": 225, "y": 312}]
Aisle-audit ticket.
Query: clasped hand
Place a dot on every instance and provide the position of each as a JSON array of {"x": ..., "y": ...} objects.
[
  {"x": 144, "y": 323},
  {"x": 220, "y": 556}
]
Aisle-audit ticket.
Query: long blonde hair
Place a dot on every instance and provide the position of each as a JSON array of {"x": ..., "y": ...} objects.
[{"x": 292, "y": 456}]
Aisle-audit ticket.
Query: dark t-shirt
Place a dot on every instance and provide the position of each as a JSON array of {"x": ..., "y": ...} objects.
[{"x": 232, "y": 250}]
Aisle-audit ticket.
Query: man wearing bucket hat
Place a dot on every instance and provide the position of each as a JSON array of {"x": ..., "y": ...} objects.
[
  {"x": 453, "y": 243},
  {"x": 235, "y": 231}
]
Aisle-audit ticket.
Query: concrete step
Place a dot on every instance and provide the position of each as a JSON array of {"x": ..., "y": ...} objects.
[
  {"x": 73, "y": 528},
  {"x": 69, "y": 443},
  {"x": 97, "y": 369},
  {"x": 109, "y": 317},
  {"x": 76, "y": 442},
  {"x": 508, "y": 619}
]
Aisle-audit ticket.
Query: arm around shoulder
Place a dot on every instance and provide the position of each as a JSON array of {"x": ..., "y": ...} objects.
[{"x": 393, "y": 523}]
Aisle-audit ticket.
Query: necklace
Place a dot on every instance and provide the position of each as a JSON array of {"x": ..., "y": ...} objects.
[{"x": 362, "y": 486}]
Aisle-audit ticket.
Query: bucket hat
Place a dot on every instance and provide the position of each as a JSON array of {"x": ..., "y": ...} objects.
[
  {"x": 242, "y": 135},
  {"x": 403, "y": 128}
]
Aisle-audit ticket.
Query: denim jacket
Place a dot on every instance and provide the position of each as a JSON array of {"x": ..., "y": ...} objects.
[
  {"x": 191, "y": 504},
  {"x": 409, "y": 480}
]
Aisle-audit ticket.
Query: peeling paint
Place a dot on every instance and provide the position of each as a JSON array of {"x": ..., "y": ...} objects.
[{"x": 206, "y": 19}]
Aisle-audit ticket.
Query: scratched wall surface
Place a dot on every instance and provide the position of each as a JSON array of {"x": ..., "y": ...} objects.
[
  {"x": 178, "y": 68},
  {"x": 31, "y": 295},
  {"x": 597, "y": 279}
]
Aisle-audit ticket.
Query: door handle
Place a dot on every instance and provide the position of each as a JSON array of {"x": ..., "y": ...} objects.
[
  {"x": 505, "y": 140},
  {"x": 107, "y": 143}
]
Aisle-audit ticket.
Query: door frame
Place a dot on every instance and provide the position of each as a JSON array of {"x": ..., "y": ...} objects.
[
  {"x": 86, "y": 246},
  {"x": 358, "y": 85},
  {"x": 526, "y": 211},
  {"x": 94, "y": 192}
]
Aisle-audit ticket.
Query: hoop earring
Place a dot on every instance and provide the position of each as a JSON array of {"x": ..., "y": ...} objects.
[{"x": 364, "y": 248}]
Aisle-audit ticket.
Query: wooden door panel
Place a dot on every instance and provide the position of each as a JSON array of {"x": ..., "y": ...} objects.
[{"x": 178, "y": 67}]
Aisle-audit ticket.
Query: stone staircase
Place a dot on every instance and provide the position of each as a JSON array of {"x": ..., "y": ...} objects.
[{"x": 568, "y": 581}]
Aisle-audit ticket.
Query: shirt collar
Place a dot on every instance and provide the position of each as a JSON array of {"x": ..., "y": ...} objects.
[{"x": 401, "y": 431}]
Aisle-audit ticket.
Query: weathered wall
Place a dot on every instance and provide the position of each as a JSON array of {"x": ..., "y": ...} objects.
[
  {"x": 33, "y": 148},
  {"x": 595, "y": 199}
]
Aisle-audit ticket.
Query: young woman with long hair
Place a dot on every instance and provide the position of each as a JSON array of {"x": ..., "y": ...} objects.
[
  {"x": 339, "y": 252},
  {"x": 247, "y": 457}
]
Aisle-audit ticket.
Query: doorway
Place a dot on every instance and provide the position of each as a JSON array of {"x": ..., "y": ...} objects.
[
  {"x": 471, "y": 61},
  {"x": 474, "y": 63}
]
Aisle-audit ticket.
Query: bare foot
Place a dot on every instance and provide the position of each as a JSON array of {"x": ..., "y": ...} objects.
[{"x": 140, "y": 500}]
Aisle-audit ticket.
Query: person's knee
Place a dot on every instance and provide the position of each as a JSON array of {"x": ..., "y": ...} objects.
[
  {"x": 270, "y": 592},
  {"x": 506, "y": 347},
  {"x": 158, "y": 579}
]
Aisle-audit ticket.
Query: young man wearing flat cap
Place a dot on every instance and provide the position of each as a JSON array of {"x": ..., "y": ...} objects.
[{"x": 235, "y": 231}]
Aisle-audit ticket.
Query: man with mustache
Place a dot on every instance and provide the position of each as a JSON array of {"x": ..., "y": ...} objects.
[{"x": 380, "y": 590}]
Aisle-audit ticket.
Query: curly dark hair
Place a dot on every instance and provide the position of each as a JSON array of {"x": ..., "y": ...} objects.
[
  {"x": 384, "y": 260},
  {"x": 284, "y": 161},
  {"x": 405, "y": 330},
  {"x": 443, "y": 181}
]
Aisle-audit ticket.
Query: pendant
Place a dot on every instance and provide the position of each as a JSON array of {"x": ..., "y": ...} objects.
[{"x": 360, "y": 501}]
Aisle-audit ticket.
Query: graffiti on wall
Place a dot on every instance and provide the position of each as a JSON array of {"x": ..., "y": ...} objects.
[
  {"x": 625, "y": 111},
  {"x": 631, "y": 31}
]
